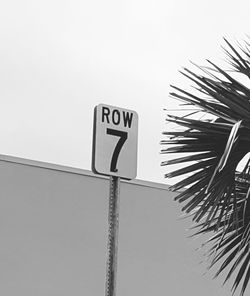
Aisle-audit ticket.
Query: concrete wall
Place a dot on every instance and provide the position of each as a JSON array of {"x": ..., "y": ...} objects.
[{"x": 53, "y": 229}]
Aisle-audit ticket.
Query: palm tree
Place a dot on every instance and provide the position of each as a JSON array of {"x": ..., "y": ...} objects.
[{"x": 215, "y": 191}]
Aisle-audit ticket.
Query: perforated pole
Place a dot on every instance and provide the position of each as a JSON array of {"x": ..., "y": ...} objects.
[{"x": 113, "y": 221}]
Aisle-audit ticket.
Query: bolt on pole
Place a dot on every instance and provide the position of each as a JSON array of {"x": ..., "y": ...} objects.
[{"x": 113, "y": 221}]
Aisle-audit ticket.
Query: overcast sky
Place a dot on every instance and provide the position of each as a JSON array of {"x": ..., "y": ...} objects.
[{"x": 61, "y": 58}]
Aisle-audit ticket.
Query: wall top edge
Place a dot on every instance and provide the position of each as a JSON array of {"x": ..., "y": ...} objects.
[{"x": 78, "y": 171}]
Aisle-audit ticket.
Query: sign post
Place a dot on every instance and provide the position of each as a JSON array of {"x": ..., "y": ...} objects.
[
  {"x": 114, "y": 154},
  {"x": 113, "y": 220}
]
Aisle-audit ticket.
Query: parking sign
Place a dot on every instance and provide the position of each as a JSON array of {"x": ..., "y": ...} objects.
[{"x": 115, "y": 140}]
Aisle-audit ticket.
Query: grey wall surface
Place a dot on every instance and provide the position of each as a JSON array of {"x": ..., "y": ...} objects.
[{"x": 53, "y": 229}]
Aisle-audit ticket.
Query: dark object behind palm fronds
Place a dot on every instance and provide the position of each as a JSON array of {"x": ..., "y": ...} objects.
[{"x": 214, "y": 193}]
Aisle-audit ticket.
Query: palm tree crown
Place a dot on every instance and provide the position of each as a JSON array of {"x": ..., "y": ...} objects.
[{"x": 216, "y": 193}]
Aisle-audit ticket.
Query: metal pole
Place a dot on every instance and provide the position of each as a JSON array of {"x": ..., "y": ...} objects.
[{"x": 113, "y": 219}]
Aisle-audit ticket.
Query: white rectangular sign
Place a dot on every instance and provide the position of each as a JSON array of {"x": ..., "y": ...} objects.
[{"x": 115, "y": 141}]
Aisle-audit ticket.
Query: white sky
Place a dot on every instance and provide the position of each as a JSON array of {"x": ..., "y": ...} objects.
[{"x": 61, "y": 58}]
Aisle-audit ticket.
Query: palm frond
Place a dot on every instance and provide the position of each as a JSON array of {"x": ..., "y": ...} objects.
[{"x": 215, "y": 193}]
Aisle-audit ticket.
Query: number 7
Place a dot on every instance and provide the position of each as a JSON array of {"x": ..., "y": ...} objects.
[{"x": 123, "y": 137}]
